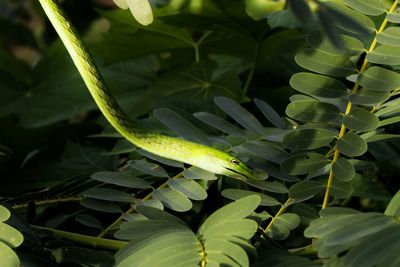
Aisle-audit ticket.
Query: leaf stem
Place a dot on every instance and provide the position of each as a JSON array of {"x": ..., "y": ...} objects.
[
  {"x": 91, "y": 241},
  {"x": 349, "y": 107}
]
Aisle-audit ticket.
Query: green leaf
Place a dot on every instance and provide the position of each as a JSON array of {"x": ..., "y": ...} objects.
[
  {"x": 177, "y": 247},
  {"x": 10, "y": 236},
  {"x": 385, "y": 54},
  {"x": 148, "y": 168},
  {"x": 380, "y": 137},
  {"x": 343, "y": 170},
  {"x": 121, "y": 179},
  {"x": 240, "y": 208},
  {"x": 324, "y": 63},
  {"x": 318, "y": 85},
  {"x": 154, "y": 203},
  {"x": 196, "y": 173},
  {"x": 99, "y": 205},
  {"x": 394, "y": 16},
  {"x": 189, "y": 188},
  {"x": 236, "y": 194},
  {"x": 389, "y": 121},
  {"x": 219, "y": 123},
  {"x": 305, "y": 189},
  {"x": 379, "y": 79},
  {"x": 361, "y": 120},
  {"x": 4, "y": 213},
  {"x": 369, "y": 97},
  {"x": 180, "y": 125},
  {"x": 107, "y": 194},
  {"x": 303, "y": 163},
  {"x": 232, "y": 251},
  {"x": 351, "y": 46},
  {"x": 289, "y": 220},
  {"x": 122, "y": 146},
  {"x": 267, "y": 151},
  {"x": 243, "y": 228},
  {"x": 274, "y": 186},
  {"x": 301, "y": 139},
  {"x": 172, "y": 199},
  {"x": 239, "y": 114},
  {"x": 368, "y": 7},
  {"x": 8, "y": 256},
  {"x": 157, "y": 214},
  {"x": 390, "y": 36},
  {"x": 393, "y": 208},
  {"x": 352, "y": 145},
  {"x": 89, "y": 221},
  {"x": 270, "y": 114},
  {"x": 341, "y": 189},
  {"x": 312, "y": 111}
]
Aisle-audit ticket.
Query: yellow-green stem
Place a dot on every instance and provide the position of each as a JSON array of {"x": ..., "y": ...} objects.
[{"x": 349, "y": 107}]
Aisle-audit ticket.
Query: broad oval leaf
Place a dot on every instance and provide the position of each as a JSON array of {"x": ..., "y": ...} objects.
[
  {"x": 243, "y": 228},
  {"x": 239, "y": 114},
  {"x": 10, "y": 236},
  {"x": 108, "y": 194},
  {"x": 312, "y": 111},
  {"x": 189, "y": 188},
  {"x": 4, "y": 213},
  {"x": 89, "y": 221},
  {"x": 289, "y": 220},
  {"x": 390, "y": 36},
  {"x": 216, "y": 246},
  {"x": 180, "y": 125},
  {"x": 324, "y": 63},
  {"x": 173, "y": 199},
  {"x": 162, "y": 160},
  {"x": 267, "y": 151},
  {"x": 270, "y": 114},
  {"x": 385, "y": 54},
  {"x": 361, "y": 120},
  {"x": 352, "y": 145},
  {"x": 148, "y": 168},
  {"x": 369, "y": 97},
  {"x": 175, "y": 245},
  {"x": 121, "y": 179},
  {"x": 196, "y": 173},
  {"x": 393, "y": 208},
  {"x": 305, "y": 189},
  {"x": 236, "y": 194},
  {"x": 343, "y": 170},
  {"x": 341, "y": 189},
  {"x": 368, "y": 7},
  {"x": 301, "y": 139},
  {"x": 304, "y": 163},
  {"x": 99, "y": 205},
  {"x": 8, "y": 256},
  {"x": 379, "y": 79},
  {"x": 317, "y": 85},
  {"x": 220, "y": 124},
  {"x": 393, "y": 17}
]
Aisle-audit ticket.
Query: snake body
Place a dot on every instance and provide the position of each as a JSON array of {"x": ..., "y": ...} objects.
[{"x": 195, "y": 154}]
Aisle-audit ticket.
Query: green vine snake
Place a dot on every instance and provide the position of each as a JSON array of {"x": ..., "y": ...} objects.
[{"x": 195, "y": 154}]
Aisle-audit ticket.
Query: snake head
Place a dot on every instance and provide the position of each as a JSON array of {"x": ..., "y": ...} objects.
[{"x": 235, "y": 168}]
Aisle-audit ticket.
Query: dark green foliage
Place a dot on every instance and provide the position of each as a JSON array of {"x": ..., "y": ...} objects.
[{"x": 304, "y": 92}]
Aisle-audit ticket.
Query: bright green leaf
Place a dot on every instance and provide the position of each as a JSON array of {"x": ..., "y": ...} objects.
[
  {"x": 10, "y": 236},
  {"x": 4, "y": 213},
  {"x": 8, "y": 256}
]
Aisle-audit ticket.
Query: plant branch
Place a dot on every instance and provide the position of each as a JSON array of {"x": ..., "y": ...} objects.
[
  {"x": 91, "y": 241},
  {"x": 48, "y": 201},
  {"x": 349, "y": 108}
]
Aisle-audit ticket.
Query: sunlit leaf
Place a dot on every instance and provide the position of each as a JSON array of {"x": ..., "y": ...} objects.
[
  {"x": 8, "y": 256},
  {"x": 173, "y": 199},
  {"x": 4, "y": 214}
]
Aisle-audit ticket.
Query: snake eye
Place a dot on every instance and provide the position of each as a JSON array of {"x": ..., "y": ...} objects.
[{"x": 235, "y": 162}]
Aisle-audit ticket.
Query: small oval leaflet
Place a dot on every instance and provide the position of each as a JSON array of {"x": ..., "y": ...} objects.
[
  {"x": 305, "y": 189},
  {"x": 343, "y": 170},
  {"x": 324, "y": 63},
  {"x": 148, "y": 168},
  {"x": 312, "y": 111},
  {"x": 341, "y": 189},
  {"x": 189, "y": 188},
  {"x": 361, "y": 120},
  {"x": 107, "y": 194},
  {"x": 236, "y": 194},
  {"x": 304, "y": 163},
  {"x": 385, "y": 54},
  {"x": 301, "y": 139},
  {"x": 4, "y": 214},
  {"x": 270, "y": 114},
  {"x": 390, "y": 36},
  {"x": 352, "y": 145},
  {"x": 379, "y": 79},
  {"x": 121, "y": 179},
  {"x": 368, "y": 7},
  {"x": 318, "y": 85},
  {"x": 369, "y": 97},
  {"x": 173, "y": 199}
]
